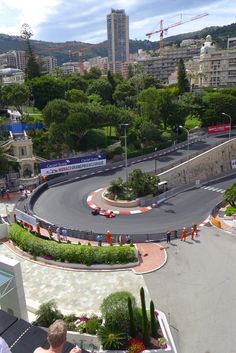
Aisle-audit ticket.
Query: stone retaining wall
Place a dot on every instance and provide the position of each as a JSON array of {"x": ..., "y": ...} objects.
[
  {"x": 207, "y": 165},
  {"x": 120, "y": 203}
]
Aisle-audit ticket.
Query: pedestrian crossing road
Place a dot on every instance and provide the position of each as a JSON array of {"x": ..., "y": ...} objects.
[{"x": 212, "y": 188}]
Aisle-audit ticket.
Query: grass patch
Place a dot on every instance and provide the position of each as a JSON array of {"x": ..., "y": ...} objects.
[
  {"x": 32, "y": 110},
  {"x": 230, "y": 210},
  {"x": 109, "y": 130}
]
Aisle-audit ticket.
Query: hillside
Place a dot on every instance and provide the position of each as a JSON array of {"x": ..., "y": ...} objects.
[{"x": 60, "y": 50}]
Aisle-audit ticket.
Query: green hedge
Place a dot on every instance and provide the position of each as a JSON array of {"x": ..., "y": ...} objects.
[
  {"x": 82, "y": 254},
  {"x": 150, "y": 149}
]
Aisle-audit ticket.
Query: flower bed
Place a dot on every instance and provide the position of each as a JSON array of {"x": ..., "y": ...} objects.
[{"x": 72, "y": 253}]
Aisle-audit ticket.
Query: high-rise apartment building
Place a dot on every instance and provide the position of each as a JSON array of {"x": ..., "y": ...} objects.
[
  {"x": 49, "y": 63},
  {"x": 118, "y": 39},
  {"x": 14, "y": 59}
]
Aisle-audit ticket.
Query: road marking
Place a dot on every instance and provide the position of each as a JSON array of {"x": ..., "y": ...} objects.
[
  {"x": 98, "y": 190},
  {"x": 135, "y": 211},
  {"x": 210, "y": 188}
]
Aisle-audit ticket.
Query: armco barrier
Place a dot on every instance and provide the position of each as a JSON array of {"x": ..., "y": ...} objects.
[{"x": 89, "y": 235}]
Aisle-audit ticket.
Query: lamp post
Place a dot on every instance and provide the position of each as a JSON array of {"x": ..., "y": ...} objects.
[
  {"x": 181, "y": 127},
  {"x": 230, "y": 119},
  {"x": 126, "y": 160},
  {"x": 155, "y": 161}
]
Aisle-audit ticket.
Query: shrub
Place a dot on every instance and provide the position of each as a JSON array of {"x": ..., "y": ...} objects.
[
  {"x": 72, "y": 253},
  {"x": 70, "y": 321},
  {"x": 47, "y": 314},
  {"x": 92, "y": 325},
  {"x": 115, "y": 311},
  {"x": 132, "y": 329},
  {"x": 110, "y": 338},
  {"x": 153, "y": 320},
  {"x": 230, "y": 211},
  {"x": 145, "y": 328}
]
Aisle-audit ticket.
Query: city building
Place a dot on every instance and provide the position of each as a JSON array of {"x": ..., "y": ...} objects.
[
  {"x": 98, "y": 62},
  {"x": 49, "y": 63},
  {"x": 161, "y": 67},
  {"x": 217, "y": 68},
  {"x": 11, "y": 75},
  {"x": 231, "y": 43},
  {"x": 70, "y": 67},
  {"x": 14, "y": 59},
  {"x": 118, "y": 39},
  {"x": 7, "y": 60}
]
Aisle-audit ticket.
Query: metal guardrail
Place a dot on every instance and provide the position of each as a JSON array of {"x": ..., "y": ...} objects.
[{"x": 92, "y": 236}]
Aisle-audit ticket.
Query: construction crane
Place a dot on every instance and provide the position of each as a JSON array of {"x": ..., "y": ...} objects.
[
  {"x": 80, "y": 53},
  {"x": 164, "y": 30}
]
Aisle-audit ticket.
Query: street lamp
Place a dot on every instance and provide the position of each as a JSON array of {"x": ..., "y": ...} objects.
[
  {"x": 182, "y": 127},
  {"x": 155, "y": 161},
  {"x": 229, "y": 123},
  {"x": 126, "y": 161}
]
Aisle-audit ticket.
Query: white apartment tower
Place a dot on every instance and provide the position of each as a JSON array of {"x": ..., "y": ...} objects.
[{"x": 118, "y": 39}]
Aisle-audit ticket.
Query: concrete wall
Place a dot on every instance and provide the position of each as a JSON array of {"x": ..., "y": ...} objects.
[
  {"x": 3, "y": 230},
  {"x": 207, "y": 165},
  {"x": 14, "y": 301}
]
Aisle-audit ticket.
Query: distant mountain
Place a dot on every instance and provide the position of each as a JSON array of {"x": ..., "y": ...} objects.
[{"x": 61, "y": 50}]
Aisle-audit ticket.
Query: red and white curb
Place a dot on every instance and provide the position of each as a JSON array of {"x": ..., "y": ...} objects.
[
  {"x": 207, "y": 220},
  {"x": 94, "y": 206}
]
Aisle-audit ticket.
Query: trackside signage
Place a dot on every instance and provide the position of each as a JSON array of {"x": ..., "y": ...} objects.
[
  {"x": 233, "y": 163},
  {"x": 72, "y": 164},
  {"x": 22, "y": 216},
  {"x": 216, "y": 129}
]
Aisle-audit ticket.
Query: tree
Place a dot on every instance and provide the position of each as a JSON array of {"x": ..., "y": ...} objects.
[
  {"x": 32, "y": 68},
  {"x": 45, "y": 89},
  {"x": 75, "y": 81},
  {"x": 216, "y": 103},
  {"x": 93, "y": 74},
  {"x": 142, "y": 183},
  {"x": 183, "y": 83},
  {"x": 56, "y": 111},
  {"x": 230, "y": 195},
  {"x": 15, "y": 95},
  {"x": 76, "y": 95},
  {"x": 57, "y": 136},
  {"x": 111, "y": 80},
  {"x": 101, "y": 87},
  {"x": 124, "y": 94},
  {"x": 145, "y": 130},
  {"x": 3, "y": 163}
]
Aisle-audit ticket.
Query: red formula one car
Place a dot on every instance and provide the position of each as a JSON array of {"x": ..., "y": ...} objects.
[{"x": 102, "y": 212}]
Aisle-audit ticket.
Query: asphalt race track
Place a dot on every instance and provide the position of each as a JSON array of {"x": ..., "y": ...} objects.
[{"x": 66, "y": 205}]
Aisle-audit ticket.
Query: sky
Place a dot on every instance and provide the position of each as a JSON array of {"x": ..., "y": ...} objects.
[{"x": 85, "y": 20}]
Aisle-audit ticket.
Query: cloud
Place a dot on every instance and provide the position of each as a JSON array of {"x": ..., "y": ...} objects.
[
  {"x": 58, "y": 20},
  {"x": 35, "y": 13}
]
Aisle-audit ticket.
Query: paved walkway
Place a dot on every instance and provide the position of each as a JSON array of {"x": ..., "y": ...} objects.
[
  {"x": 74, "y": 291},
  {"x": 82, "y": 291}
]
